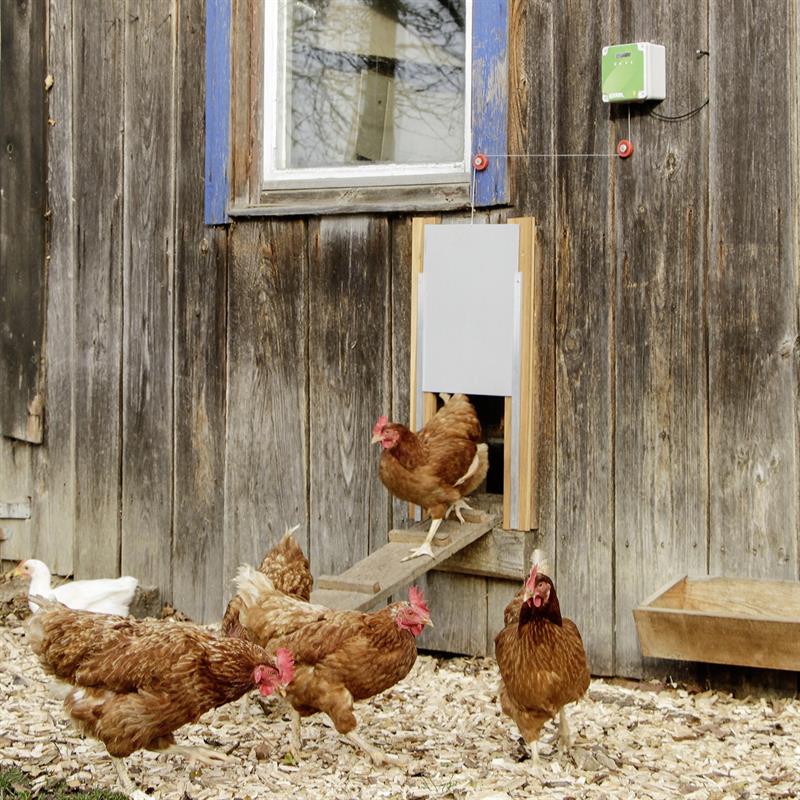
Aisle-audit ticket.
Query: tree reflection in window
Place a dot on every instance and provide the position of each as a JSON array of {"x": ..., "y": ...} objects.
[{"x": 372, "y": 81}]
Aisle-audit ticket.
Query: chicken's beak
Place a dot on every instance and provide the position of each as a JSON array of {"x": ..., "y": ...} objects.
[
  {"x": 526, "y": 596},
  {"x": 429, "y": 622},
  {"x": 376, "y": 437},
  {"x": 16, "y": 572}
]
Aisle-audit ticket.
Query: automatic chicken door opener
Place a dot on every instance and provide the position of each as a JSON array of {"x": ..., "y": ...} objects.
[{"x": 473, "y": 300}]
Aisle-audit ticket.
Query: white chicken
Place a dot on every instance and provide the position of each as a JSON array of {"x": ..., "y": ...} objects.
[{"x": 102, "y": 595}]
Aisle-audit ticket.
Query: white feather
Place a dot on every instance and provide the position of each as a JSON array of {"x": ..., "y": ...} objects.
[
  {"x": 103, "y": 595},
  {"x": 251, "y": 583},
  {"x": 538, "y": 558}
]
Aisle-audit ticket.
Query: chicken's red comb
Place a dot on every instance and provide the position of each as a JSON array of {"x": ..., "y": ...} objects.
[
  {"x": 531, "y": 582},
  {"x": 285, "y": 663},
  {"x": 417, "y": 599},
  {"x": 377, "y": 430}
]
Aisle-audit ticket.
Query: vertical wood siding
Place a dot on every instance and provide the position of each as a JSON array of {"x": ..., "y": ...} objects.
[{"x": 208, "y": 387}]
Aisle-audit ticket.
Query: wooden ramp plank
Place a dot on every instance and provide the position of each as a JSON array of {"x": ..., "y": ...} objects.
[{"x": 385, "y": 567}]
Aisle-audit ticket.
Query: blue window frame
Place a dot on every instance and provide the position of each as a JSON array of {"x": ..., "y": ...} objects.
[{"x": 488, "y": 110}]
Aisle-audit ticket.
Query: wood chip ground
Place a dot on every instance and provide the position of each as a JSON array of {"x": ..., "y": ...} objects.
[{"x": 632, "y": 743}]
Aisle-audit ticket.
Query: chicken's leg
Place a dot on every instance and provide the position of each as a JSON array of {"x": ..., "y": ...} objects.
[
  {"x": 378, "y": 756},
  {"x": 126, "y": 782},
  {"x": 205, "y": 755},
  {"x": 425, "y": 548},
  {"x": 564, "y": 736},
  {"x": 295, "y": 743}
]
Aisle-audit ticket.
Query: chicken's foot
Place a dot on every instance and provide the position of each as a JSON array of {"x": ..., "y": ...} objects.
[
  {"x": 205, "y": 755},
  {"x": 126, "y": 782},
  {"x": 379, "y": 758},
  {"x": 425, "y": 548},
  {"x": 457, "y": 507}
]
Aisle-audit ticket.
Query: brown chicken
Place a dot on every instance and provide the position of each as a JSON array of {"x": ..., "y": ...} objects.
[
  {"x": 437, "y": 466},
  {"x": 541, "y": 659},
  {"x": 339, "y": 656},
  {"x": 288, "y": 569},
  {"x": 137, "y": 681}
]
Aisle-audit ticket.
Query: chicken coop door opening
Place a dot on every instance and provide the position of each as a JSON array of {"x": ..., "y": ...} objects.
[
  {"x": 474, "y": 306},
  {"x": 491, "y": 413}
]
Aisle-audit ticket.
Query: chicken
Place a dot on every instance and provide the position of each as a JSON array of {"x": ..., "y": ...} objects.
[
  {"x": 103, "y": 595},
  {"x": 340, "y": 656},
  {"x": 541, "y": 659},
  {"x": 136, "y": 681},
  {"x": 436, "y": 467},
  {"x": 287, "y": 567}
]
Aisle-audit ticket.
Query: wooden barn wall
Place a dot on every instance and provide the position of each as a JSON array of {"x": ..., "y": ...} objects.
[{"x": 207, "y": 387}]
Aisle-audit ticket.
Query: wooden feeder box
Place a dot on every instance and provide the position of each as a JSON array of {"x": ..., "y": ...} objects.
[{"x": 741, "y": 621}]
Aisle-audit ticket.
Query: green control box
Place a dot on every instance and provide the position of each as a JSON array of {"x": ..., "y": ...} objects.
[{"x": 633, "y": 72}]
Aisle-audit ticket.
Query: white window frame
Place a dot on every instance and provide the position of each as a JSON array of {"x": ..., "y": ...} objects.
[{"x": 383, "y": 174}]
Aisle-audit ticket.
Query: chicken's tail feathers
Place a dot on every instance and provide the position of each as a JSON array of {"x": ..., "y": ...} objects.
[
  {"x": 251, "y": 584},
  {"x": 539, "y": 560},
  {"x": 35, "y": 632},
  {"x": 445, "y": 396},
  {"x": 44, "y": 603}
]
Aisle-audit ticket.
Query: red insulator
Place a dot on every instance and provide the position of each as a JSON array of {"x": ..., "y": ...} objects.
[
  {"x": 625, "y": 148},
  {"x": 480, "y": 162}
]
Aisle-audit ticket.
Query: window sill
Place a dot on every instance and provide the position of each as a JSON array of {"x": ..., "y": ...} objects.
[{"x": 357, "y": 199}]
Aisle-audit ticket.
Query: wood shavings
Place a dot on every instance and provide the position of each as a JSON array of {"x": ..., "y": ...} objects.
[{"x": 651, "y": 743}]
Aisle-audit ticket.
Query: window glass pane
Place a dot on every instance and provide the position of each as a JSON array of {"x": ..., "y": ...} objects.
[{"x": 371, "y": 81}]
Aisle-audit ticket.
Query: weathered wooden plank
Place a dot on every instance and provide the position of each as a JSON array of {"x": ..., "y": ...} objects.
[
  {"x": 17, "y": 488},
  {"x": 98, "y": 114},
  {"x": 148, "y": 270},
  {"x": 400, "y": 231},
  {"x": 499, "y": 554},
  {"x": 200, "y": 354},
  {"x": 337, "y": 584},
  {"x": 266, "y": 465},
  {"x": 20, "y": 510},
  {"x": 752, "y": 295},
  {"x": 359, "y": 199},
  {"x": 54, "y": 531},
  {"x": 23, "y": 202},
  {"x": 350, "y": 385},
  {"x": 458, "y": 609},
  {"x": 247, "y": 88},
  {"x": 584, "y": 338},
  {"x": 386, "y": 567},
  {"x": 532, "y": 120},
  {"x": 661, "y": 436},
  {"x": 499, "y": 594}
]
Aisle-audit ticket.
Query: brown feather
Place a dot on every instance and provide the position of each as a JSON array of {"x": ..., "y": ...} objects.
[
  {"x": 287, "y": 567},
  {"x": 136, "y": 681},
  {"x": 542, "y": 662},
  {"x": 339, "y": 656},
  {"x": 424, "y": 468}
]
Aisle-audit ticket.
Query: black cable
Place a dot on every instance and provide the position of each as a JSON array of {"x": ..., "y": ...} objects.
[{"x": 679, "y": 117}]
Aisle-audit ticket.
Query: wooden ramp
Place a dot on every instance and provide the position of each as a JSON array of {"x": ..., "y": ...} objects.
[{"x": 368, "y": 584}]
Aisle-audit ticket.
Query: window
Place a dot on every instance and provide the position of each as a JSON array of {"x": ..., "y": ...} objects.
[
  {"x": 330, "y": 106},
  {"x": 366, "y": 91}
]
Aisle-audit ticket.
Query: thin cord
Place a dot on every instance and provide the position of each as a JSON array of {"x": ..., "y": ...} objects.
[
  {"x": 550, "y": 155},
  {"x": 629, "y": 122}
]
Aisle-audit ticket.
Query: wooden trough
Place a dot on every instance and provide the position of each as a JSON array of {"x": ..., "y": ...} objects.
[{"x": 742, "y": 621}]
